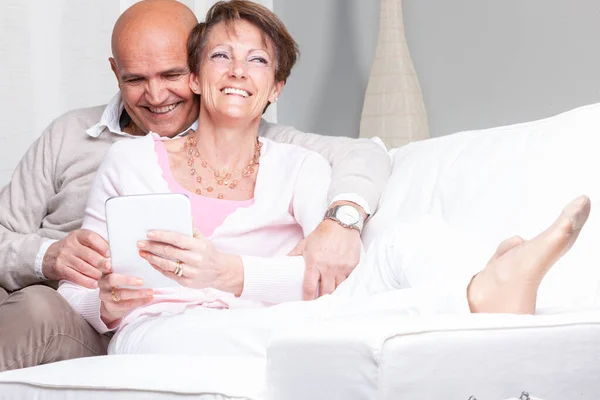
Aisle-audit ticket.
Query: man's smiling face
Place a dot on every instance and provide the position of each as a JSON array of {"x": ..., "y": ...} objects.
[{"x": 151, "y": 67}]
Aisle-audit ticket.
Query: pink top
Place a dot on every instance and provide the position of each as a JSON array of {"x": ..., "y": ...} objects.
[{"x": 205, "y": 222}]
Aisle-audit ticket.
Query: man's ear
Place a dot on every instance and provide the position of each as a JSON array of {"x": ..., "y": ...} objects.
[
  {"x": 194, "y": 83},
  {"x": 113, "y": 66}
]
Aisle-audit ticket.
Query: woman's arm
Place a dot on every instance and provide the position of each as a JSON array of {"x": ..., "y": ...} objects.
[
  {"x": 280, "y": 279},
  {"x": 360, "y": 169}
]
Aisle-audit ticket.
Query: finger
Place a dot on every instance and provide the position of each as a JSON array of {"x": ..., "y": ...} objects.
[
  {"x": 174, "y": 238},
  {"x": 311, "y": 283},
  {"x": 105, "y": 266},
  {"x": 90, "y": 256},
  {"x": 338, "y": 280},
  {"x": 347, "y": 270},
  {"x": 94, "y": 241},
  {"x": 164, "y": 250},
  {"x": 84, "y": 268},
  {"x": 327, "y": 284},
  {"x": 108, "y": 282},
  {"x": 127, "y": 305},
  {"x": 299, "y": 249},
  {"x": 125, "y": 294},
  {"x": 170, "y": 275},
  {"x": 78, "y": 278},
  {"x": 159, "y": 262}
]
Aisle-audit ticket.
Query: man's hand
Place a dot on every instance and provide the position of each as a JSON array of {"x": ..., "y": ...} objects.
[
  {"x": 76, "y": 258},
  {"x": 331, "y": 253}
]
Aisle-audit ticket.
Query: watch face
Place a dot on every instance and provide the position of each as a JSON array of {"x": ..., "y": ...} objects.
[{"x": 348, "y": 215}]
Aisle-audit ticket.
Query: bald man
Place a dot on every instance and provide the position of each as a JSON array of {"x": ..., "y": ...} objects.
[{"x": 42, "y": 207}]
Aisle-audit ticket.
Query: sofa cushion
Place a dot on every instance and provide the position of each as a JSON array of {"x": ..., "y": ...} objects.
[{"x": 509, "y": 180}]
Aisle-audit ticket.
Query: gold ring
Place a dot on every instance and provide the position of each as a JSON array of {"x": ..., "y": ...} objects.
[
  {"x": 115, "y": 298},
  {"x": 178, "y": 269}
]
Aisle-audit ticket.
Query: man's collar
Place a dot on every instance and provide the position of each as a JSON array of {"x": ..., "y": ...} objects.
[{"x": 111, "y": 117}]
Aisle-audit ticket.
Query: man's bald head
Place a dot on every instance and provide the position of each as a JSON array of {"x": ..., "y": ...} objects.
[
  {"x": 158, "y": 15},
  {"x": 150, "y": 62}
]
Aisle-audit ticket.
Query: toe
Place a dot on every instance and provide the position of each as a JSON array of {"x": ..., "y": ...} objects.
[
  {"x": 507, "y": 245},
  {"x": 577, "y": 212}
]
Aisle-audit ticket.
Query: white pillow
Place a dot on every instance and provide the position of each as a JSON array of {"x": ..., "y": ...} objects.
[{"x": 503, "y": 181}]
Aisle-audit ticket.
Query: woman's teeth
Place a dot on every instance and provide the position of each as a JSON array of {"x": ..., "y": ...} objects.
[{"x": 239, "y": 92}]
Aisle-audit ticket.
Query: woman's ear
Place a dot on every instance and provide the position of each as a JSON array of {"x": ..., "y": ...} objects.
[
  {"x": 276, "y": 91},
  {"x": 194, "y": 83}
]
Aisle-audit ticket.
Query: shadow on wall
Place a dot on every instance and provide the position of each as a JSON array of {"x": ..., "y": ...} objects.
[{"x": 339, "y": 102}]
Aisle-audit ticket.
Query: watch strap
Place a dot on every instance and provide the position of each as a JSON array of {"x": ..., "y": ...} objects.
[{"x": 332, "y": 214}]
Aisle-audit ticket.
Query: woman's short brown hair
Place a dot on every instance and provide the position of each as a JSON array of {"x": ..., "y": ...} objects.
[{"x": 286, "y": 48}]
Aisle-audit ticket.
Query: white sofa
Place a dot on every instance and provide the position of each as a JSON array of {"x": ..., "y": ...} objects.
[{"x": 493, "y": 183}]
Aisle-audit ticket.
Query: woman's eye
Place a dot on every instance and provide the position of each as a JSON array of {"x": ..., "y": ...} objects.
[
  {"x": 219, "y": 56},
  {"x": 260, "y": 60}
]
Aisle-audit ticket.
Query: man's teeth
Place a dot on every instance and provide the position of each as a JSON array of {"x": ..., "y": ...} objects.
[
  {"x": 162, "y": 110},
  {"x": 240, "y": 92}
]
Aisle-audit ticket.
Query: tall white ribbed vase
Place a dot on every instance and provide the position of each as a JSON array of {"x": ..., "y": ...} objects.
[{"x": 393, "y": 108}]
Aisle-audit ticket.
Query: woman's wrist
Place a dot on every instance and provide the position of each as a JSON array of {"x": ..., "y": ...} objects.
[
  {"x": 232, "y": 273},
  {"x": 109, "y": 320}
]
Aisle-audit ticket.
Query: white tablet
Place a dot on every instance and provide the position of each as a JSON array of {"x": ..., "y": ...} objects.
[{"x": 128, "y": 220}]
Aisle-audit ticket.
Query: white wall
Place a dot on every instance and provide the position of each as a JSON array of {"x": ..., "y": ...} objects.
[{"x": 53, "y": 57}]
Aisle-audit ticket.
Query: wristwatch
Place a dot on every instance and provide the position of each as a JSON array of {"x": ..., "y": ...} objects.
[{"x": 347, "y": 216}]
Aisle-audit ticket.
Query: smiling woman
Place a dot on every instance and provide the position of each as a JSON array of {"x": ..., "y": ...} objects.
[{"x": 237, "y": 64}]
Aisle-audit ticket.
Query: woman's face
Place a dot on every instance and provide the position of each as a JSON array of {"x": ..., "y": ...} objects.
[{"x": 237, "y": 72}]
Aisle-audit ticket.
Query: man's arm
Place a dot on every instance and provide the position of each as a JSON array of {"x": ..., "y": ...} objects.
[
  {"x": 360, "y": 170},
  {"x": 360, "y": 167},
  {"x": 23, "y": 205}
]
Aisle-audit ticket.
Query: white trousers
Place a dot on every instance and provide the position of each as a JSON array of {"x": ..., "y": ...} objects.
[{"x": 420, "y": 268}]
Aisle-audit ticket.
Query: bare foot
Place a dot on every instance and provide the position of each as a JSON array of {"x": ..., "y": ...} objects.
[{"x": 510, "y": 281}]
